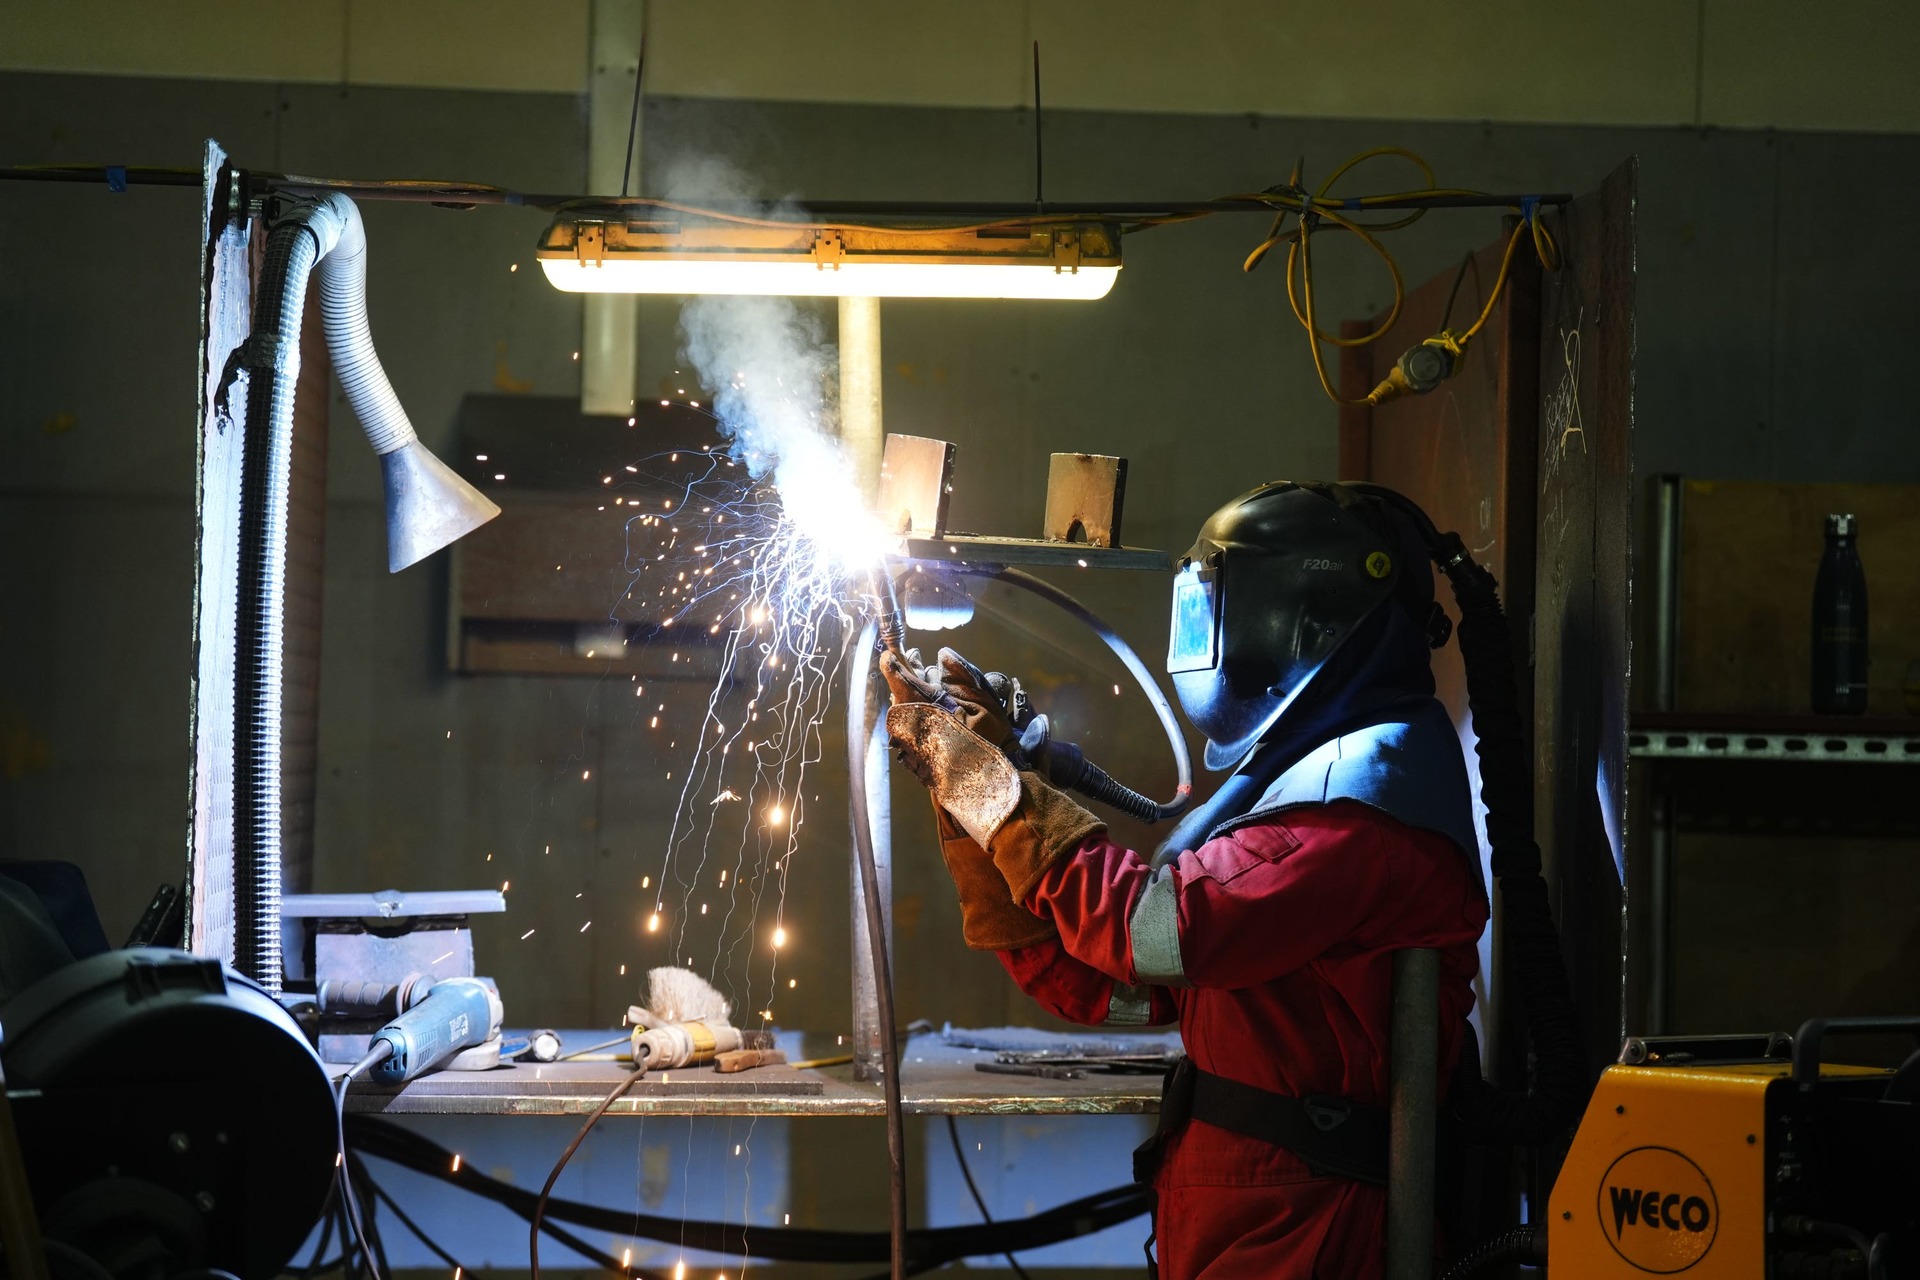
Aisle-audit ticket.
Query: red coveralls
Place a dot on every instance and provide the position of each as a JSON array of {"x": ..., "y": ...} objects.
[{"x": 1286, "y": 928}]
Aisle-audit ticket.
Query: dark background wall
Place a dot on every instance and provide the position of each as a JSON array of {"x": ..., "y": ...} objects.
[{"x": 1773, "y": 343}]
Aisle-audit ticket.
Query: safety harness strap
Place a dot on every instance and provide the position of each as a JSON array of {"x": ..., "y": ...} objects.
[{"x": 1332, "y": 1135}]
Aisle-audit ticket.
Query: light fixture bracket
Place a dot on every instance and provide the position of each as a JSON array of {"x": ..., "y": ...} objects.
[{"x": 590, "y": 244}]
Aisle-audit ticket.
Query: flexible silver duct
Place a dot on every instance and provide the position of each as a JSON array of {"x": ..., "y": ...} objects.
[{"x": 427, "y": 507}]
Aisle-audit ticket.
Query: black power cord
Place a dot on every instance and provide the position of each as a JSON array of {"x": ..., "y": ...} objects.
[
  {"x": 559, "y": 1166},
  {"x": 382, "y": 1050},
  {"x": 932, "y": 1247},
  {"x": 381, "y": 1196},
  {"x": 979, "y": 1201}
]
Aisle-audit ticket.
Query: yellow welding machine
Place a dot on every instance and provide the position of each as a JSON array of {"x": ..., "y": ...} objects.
[{"x": 1721, "y": 1169}]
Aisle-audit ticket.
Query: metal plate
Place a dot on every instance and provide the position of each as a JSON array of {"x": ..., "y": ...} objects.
[
  {"x": 916, "y": 483},
  {"x": 971, "y": 548},
  {"x": 936, "y": 1079}
]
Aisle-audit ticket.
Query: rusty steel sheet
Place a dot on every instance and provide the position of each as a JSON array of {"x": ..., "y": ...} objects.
[
  {"x": 1466, "y": 453},
  {"x": 1582, "y": 597}
]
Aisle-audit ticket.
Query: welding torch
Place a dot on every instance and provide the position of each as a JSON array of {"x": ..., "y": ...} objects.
[
  {"x": 1061, "y": 763},
  {"x": 893, "y": 620}
]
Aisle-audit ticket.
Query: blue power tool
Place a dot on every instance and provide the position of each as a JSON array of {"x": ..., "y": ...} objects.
[{"x": 456, "y": 1015}]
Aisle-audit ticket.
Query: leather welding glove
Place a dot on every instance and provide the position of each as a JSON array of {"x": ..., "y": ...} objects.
[
  {"x": 990, "y": 920},
  {"x": 989, "y": 703},
  {"x": 908, "y": 681},
  {"x": 1023, "y": 824}
]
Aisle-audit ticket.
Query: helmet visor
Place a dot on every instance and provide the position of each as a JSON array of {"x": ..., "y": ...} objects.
[{"x": 1193, "y": 643}]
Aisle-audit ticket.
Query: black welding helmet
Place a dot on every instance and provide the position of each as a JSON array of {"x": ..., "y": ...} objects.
[{"x": 1278, "y": 580}]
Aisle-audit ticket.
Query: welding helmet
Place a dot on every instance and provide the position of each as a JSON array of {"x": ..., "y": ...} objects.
[{"x": 1277, "y": 582}]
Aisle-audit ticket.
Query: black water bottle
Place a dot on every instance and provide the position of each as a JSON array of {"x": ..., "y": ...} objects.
[{"x": 1840, "y": 623}]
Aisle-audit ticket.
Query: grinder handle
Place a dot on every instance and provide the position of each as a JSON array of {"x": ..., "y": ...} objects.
[{"x": 1806, "y": 1041}]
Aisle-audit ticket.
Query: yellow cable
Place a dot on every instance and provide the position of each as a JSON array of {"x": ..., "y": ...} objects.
[
  {"x": 1321, "y": 206},
  {"x": 1306, "y": 281}
]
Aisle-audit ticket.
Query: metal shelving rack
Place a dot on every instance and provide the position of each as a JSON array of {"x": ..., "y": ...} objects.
[{"x": 1737, "y": 771}]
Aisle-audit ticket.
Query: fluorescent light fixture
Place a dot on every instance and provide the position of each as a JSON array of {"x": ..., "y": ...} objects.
[{"x": 605, "y": 252}]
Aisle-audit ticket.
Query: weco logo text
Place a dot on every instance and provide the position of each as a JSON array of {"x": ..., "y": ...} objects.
[{"x": 1658, "y": 1210}]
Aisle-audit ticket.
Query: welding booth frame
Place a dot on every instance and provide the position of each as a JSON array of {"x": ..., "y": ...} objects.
[{"x": 1533, "y": 437}]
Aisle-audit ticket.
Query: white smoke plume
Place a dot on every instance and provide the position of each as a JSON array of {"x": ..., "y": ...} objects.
[{"x": 772, "y": 375}]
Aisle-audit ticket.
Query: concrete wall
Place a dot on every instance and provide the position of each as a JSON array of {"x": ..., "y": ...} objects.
[
  {"x": 1772, "y": 343},
  {"x": 1727, "y": 63}
]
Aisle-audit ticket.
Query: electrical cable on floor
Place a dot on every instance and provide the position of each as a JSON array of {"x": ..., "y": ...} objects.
[
  {"x": 546, "y": 1192},
  {"x": 313, "y": 1265},
  {"x": 382, "y": 1050},
  {"x": 433, "y": 1246},
  {"x": 375, "y": 1241},
  {"x": 381, "y": 1139},
  {"x": 979, "y": 1201}
]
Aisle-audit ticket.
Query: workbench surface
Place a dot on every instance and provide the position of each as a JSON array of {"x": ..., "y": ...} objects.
[{"x": 937, "y": 1079}]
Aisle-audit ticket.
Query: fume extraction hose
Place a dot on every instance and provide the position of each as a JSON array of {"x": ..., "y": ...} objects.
[{"x": 323, "y": 235}]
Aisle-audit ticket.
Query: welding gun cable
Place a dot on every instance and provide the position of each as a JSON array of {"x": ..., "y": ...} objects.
[
  {"x": 1102, "y": 786},
  {"x": 329, "y": 1217},
  {"x": 380, "y": 1052},
  {"x": 861, "y": 709},
  {"x": 383, "y": 1140},
  {"x": 376, "y": 1252},
  {"x": 973, "y": 1189},
  {"x": 546, "y": 1192}
]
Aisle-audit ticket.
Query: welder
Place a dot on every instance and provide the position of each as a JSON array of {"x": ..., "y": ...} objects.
[{"x": 1303, "y": 621}]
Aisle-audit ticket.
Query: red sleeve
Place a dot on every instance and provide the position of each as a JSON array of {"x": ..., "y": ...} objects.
[
  {"x": 1072, "y": 989},
  {"x": 1257, "y": 903}
]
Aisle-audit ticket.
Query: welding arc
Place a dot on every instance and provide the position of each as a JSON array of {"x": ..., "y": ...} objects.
[{"x": 926, "y": 1247}]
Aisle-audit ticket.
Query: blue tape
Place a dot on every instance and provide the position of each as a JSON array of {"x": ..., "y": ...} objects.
[
  {"x": 1352, "y": 204},
  {"x": 1529, "y": 208},
  {"x": 116, "y": 177}
]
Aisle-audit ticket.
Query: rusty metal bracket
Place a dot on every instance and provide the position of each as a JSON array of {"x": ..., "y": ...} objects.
[{"x": 1085, "y": 494}]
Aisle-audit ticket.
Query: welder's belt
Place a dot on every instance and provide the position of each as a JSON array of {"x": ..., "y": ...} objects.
[{"x": 1331, "y": 1135}]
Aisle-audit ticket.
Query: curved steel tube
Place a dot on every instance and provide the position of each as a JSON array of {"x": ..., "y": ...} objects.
[{"x": 859, "y": 701}]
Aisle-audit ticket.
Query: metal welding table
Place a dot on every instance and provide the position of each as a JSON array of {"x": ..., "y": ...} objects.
[{"x": 936, "y": 1079}]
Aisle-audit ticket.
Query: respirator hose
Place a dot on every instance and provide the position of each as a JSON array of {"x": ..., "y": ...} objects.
[
  {"x": 1548, "y": 1109},
  {"x": 1544, "y": 1113}
]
